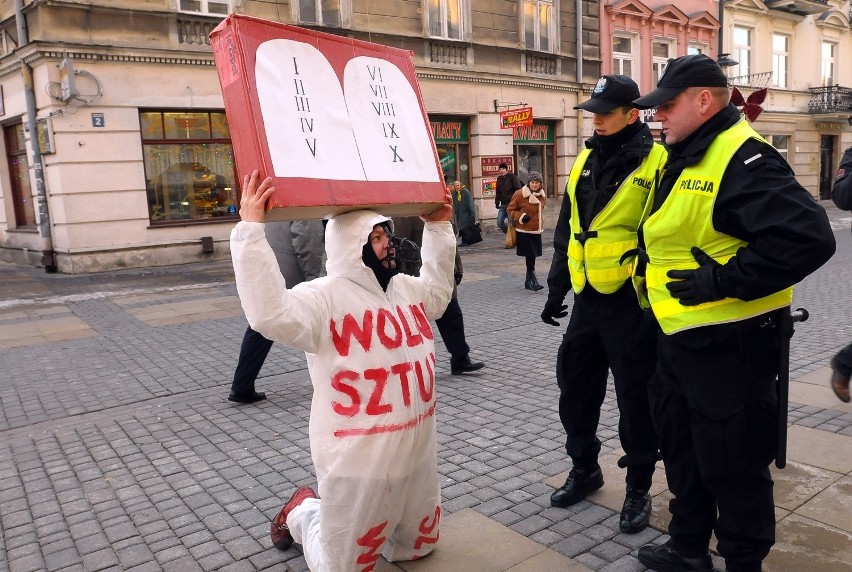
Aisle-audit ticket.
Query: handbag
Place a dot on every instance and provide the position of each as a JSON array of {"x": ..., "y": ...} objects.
[
  {"x": 472, "y": 234},
  {"x": 511, "y": 236}
]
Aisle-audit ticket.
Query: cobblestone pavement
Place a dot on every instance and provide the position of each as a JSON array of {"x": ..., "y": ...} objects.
[{"x": 119, "y": 451}]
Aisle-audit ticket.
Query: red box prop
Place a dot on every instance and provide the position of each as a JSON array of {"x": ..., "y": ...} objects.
[{"x": 339, "y": 124}]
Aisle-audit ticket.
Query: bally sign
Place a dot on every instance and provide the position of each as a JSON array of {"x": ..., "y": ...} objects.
[{"x": 516, "y": 117}]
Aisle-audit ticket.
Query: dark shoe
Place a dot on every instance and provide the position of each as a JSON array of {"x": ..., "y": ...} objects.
[
  {"x": 664, "y": 558},
  {"x": 578, "y": 485},
  {"x": 840, "y": 385},
  {"x": 252, "y": 397},
  {"x": 534, "y": 282},
  {"x": 636, "y": 511},
  {"x": 465, "y": 366},
  {"x": 281, "y": 537}
]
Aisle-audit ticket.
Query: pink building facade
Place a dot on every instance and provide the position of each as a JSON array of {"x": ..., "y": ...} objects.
[{"x": 638, "y": 38}]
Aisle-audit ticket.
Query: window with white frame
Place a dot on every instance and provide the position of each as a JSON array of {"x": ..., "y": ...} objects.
[
  {"x": 664, "y": 49},
  {"x": 622, "y": 56},
  {"x": 693, "y": 49},
  {"x": 742, "y": 51},
  {"x": 213, "y": 7},
  {"x": 539, "y": 25},
  {"x": 780, "y": 142},
  {"x": 829, "y": 51},
  {"x": 780, "y": 59},
  {"x": 445, "y": 18},
  {"x": 318, "y": 12}
]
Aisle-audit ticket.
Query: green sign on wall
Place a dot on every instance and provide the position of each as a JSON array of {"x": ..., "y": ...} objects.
[
  {"x": 448, "y": 129},
  {"x": 539, "y": 133}
]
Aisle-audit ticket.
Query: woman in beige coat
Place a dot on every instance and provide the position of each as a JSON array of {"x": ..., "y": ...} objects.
[{"x": 526, "y": 209}]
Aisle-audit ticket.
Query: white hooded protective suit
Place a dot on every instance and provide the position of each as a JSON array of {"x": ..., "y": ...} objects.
[{"x": 371, "y": 358}]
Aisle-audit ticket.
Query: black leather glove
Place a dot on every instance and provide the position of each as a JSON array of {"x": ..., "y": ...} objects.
[
  {"x": 524, "y": 218},
  {"x": 693, "y": 287},
  {"x": 458, "y": 277},
  {"x": 553, "y": 308}
]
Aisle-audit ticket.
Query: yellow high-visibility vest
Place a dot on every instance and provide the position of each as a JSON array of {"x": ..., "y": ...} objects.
[
  {"x": 596, "y": 258},
  {"x": 685, "y": 220}
]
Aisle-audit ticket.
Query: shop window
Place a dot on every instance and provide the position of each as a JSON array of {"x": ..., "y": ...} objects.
[
  {"x": 212, "y": 7},
  {"x": 538, "y": 25},
  {"x": 452, "y": 142},
  {"x": 445, "y": 18},
  {"x": 318, "y": 12},
  {"x": 19, "y": 174},
  {"x": 189, "y": 166}
]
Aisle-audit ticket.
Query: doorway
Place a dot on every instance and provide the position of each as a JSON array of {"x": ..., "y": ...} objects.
[{"x": 827, "y": 144}]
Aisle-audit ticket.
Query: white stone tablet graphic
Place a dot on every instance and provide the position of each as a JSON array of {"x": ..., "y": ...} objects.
[
  {"x": 388, "y": 122},
  {"x": 307, "y": 126}
]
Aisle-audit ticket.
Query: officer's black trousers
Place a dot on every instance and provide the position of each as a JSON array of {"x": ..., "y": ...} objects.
[
  {"x": 713, "y": 401},
  {"x": 608, "y": 332}
]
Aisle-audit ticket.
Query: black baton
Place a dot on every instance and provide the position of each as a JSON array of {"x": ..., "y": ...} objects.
[{"x": 786, "y": 332}]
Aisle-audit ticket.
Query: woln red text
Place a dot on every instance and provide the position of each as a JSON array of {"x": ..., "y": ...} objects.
[{"x": 390, "y": 330}]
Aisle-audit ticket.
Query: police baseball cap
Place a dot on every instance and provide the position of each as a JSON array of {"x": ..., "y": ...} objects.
[
  {"x": 610, "y": 92},
  {"x": 694, "y": 70}
]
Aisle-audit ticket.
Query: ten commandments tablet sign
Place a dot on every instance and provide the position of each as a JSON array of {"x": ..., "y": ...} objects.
[{"x": 338, "y": 123}]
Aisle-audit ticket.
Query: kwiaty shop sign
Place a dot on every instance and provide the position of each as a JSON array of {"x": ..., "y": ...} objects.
[{"x": 512, "y": 118}]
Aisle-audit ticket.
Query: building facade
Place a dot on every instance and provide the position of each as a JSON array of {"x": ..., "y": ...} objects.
[
  {"x": 794, "y": 48},
  {"x": 118, "y": 151}
]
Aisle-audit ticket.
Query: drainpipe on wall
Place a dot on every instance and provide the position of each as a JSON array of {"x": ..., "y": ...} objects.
[
  {"x": 579, "y": 9},
  {"x": 48, "y": 258}
]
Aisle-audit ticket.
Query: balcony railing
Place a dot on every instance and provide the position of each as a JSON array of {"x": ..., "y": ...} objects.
[
  {"x": 194, "y": 30},
  {"x": 831, "y": 99},
  {"x": 755, "y": 80},
  {"x": 545, "y": 65},
  {"x": 447, "y": 53}
]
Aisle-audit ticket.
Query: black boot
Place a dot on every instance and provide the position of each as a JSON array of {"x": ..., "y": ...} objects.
[
  {"x": 534, "y": 282},
  {"x": 665, "y": 558},
  {"x": 580, "y": 482},
  {"x": 636, "y": 511}
]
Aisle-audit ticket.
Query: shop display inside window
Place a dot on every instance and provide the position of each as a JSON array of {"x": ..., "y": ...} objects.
[{"x": 192, "y": 179}]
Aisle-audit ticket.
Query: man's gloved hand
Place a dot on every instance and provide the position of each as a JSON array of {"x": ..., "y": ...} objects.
[
  {"x": 693, "y": 287},
  {"x": 524, "y": 218},
  {"x": 458, "y": 277},
  {"x": 553, "y": 308}
]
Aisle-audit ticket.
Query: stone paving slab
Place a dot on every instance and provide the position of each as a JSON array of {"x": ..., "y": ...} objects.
[{"x": 119, "y": 451}]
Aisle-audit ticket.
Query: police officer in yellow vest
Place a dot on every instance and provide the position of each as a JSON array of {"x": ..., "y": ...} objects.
[
  {"x": 607, "y": 190},
  {"x": 729, "y": 233}
]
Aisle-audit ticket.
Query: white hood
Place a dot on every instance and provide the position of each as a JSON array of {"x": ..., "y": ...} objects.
[{"x": 345, "y": 237}]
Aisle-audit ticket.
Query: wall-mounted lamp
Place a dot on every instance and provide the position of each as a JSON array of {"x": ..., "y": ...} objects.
[{"x": 725, "y": 61}]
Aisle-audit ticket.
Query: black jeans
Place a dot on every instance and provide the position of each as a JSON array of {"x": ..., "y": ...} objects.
[
  {"x": 608, "y": 331},
  {"x": 714, "y": 402},
  {"x": 253, "y": 352},
  {"x": 451, "y": 327}
]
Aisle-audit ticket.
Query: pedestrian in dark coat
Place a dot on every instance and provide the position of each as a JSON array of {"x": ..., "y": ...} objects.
[{"x": 507, "y": 184}]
